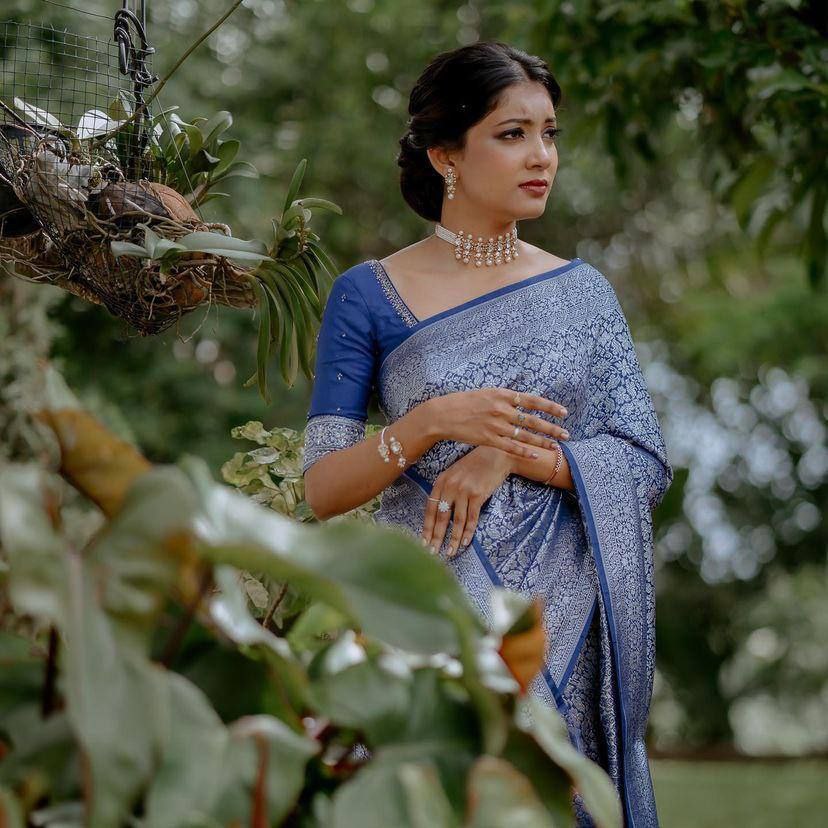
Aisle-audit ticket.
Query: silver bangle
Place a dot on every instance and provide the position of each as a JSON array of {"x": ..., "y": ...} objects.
[{"x": 395, "y": 447}]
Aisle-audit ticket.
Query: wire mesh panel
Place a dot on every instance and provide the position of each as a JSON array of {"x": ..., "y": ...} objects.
[{"x": 82, "y": 161}]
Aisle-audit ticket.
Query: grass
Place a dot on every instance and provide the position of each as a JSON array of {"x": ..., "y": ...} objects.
[{"x": 748, "y": 794}]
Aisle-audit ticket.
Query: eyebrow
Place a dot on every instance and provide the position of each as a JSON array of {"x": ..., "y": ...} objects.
[{"x": 525, "y": 121}]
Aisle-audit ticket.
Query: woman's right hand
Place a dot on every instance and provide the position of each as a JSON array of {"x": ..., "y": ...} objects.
[{"x": 488, "y": 416}]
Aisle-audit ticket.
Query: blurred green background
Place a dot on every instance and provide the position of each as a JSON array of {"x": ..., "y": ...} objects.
[{"x": 692, "y": 173}]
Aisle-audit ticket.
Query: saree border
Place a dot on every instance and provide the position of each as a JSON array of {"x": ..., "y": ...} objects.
[{"x": 606, "y": 592}]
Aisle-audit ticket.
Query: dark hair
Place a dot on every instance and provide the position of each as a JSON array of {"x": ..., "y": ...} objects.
[{"x": 454, "y": 92}]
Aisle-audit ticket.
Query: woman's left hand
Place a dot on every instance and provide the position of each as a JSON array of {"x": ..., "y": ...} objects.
[{"x": 467, "y": 484}]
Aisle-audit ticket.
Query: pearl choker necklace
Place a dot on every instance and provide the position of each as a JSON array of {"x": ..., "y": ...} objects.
[{"x": 494, "y": 252}]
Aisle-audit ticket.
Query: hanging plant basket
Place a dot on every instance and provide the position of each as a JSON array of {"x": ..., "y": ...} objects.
[{"x": 100, "y": 194}]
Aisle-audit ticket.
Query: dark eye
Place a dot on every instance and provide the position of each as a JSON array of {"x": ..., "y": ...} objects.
[{"x": 554, "y": 131}]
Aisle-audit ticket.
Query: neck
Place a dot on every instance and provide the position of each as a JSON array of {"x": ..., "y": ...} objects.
[{"x": 487, "y": 226}]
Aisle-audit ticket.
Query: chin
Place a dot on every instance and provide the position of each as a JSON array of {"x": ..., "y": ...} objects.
[{"x": 538, "y": 211}]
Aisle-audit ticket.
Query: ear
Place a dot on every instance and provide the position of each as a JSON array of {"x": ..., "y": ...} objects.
[{"x": 440, "y": 159}]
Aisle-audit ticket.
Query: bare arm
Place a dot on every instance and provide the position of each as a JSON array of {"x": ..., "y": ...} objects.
[{"x": 344, "y": 479}]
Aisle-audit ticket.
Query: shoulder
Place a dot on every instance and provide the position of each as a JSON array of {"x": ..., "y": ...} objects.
[
  {"x": 353, "y": 283},
  {"x": 539, "y": 260},
  {"x": 357, "y": 278},
  {"x": 350, "y": 300},
  {"x": 599, "y": 291}
]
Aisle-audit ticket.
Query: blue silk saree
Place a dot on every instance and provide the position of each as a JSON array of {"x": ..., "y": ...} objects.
[{"x": 588, "y": 553}]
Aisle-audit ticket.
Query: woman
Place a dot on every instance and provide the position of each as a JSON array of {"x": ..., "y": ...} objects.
[{"x": 476, "y": 343}]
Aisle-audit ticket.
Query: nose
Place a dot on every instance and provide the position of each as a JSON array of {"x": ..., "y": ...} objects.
[{"x": 541, "y": 154}]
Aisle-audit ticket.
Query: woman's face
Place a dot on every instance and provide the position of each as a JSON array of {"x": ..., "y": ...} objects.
[{"x": 513, "y": 144}]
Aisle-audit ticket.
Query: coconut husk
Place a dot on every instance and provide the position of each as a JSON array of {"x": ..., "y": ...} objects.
[
  {"x": 176, "y": 205},
  {"x": 126, "y": 203}
]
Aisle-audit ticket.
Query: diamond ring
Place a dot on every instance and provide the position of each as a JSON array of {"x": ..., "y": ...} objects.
[
  {"x": 444, "y": 505},
  {"x": 517, "y": 431}
]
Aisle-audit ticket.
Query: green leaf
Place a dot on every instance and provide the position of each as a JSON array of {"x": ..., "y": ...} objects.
[
  {"x": 226, "y": 153},
  {"x": 501, "y": 795},
  {"x": 121, "y": 106},
  {"x": 295, "y": 184},
  {"x": 137, "y": 570},
  {"x": 195, "y": 139},
  {"x": 596, "y": 788},
  {"x": 263, "y": 347},
  {"x": 36, "y": 553},
  {"x": 322, "y": 203},
  {"x": 229, "y": 611},
  {"x": 166, "y": 246},
  {"x": 11, "y": 813},
  {"x": 377, "y": 576},
  {"x": 324, "y": 259},
  {"x": 425, "y": 800},
  {"x": 190, "y": 774},
  {"x": 240, "y": 169},
  {"x": 120, "y": 248},
  {"x": 314, "y": 624},
  {"x": 363, "y": 696},
  {"x": 262, "y": 747},
  {"x": 748, "y": 188},
  {"x": 217, "y": 244},
  {"x": 204, "y": 241},
  {"x": 151, "y": 239},
  {"x": 439, "y": 733},
  {"x": 213, "y": 127}
]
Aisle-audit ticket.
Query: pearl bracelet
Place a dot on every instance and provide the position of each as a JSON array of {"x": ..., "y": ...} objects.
[
  {"x": 395, "y": 447},
  {"x": 557, "y": 465}
]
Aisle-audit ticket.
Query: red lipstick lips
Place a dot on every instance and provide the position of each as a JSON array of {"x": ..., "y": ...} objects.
[{"x": 536, "y": 185}]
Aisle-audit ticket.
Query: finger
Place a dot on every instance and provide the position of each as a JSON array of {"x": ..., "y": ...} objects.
[
  {"x": 472, "y": 517},
  {"x": 525, "y": 400},
  {"x": 539, "y": 424},
  {"x": 430, "y": 516},
  {"x": 461, "y": 507},
  {"x": 514, "y": 447},
  {"x": 511, "y": 414},
  {"x": 521, "y": 435},
  {"x": 440, "y": 524},
  {"x": 536, "y": 401}
]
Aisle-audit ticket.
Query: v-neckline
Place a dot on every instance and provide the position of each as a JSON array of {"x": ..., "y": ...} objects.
[{"x": 503, "y": 289}]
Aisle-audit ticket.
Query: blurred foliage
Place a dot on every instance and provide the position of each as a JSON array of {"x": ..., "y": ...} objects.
[
  {"x": 272, "y": 474},
  {"x": 691, "y": 173},
  {"x": 99, "y": 727},
  {"x": 750, "y": 77}
]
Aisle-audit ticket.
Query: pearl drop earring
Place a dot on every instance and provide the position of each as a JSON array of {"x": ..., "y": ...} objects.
[{"x": 451, "y": 181}]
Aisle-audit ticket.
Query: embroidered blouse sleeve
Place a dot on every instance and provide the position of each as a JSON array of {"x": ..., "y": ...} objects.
[{"x": 344, "y": 373}]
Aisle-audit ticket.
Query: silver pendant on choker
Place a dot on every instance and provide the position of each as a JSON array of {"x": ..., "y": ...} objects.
[{"x": 495, "y": 251}]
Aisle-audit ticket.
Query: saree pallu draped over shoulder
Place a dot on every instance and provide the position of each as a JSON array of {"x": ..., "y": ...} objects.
[{"x": 587, "y": 553}]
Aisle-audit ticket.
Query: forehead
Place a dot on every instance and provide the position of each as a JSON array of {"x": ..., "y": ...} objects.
[{"x": 523, "y": 100}]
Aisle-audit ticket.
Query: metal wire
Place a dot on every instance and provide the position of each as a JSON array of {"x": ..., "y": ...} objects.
[{"x": 76, "y": 9}]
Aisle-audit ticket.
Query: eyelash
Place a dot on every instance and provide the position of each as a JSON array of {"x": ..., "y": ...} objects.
[{"x": 556, "y": 131}]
